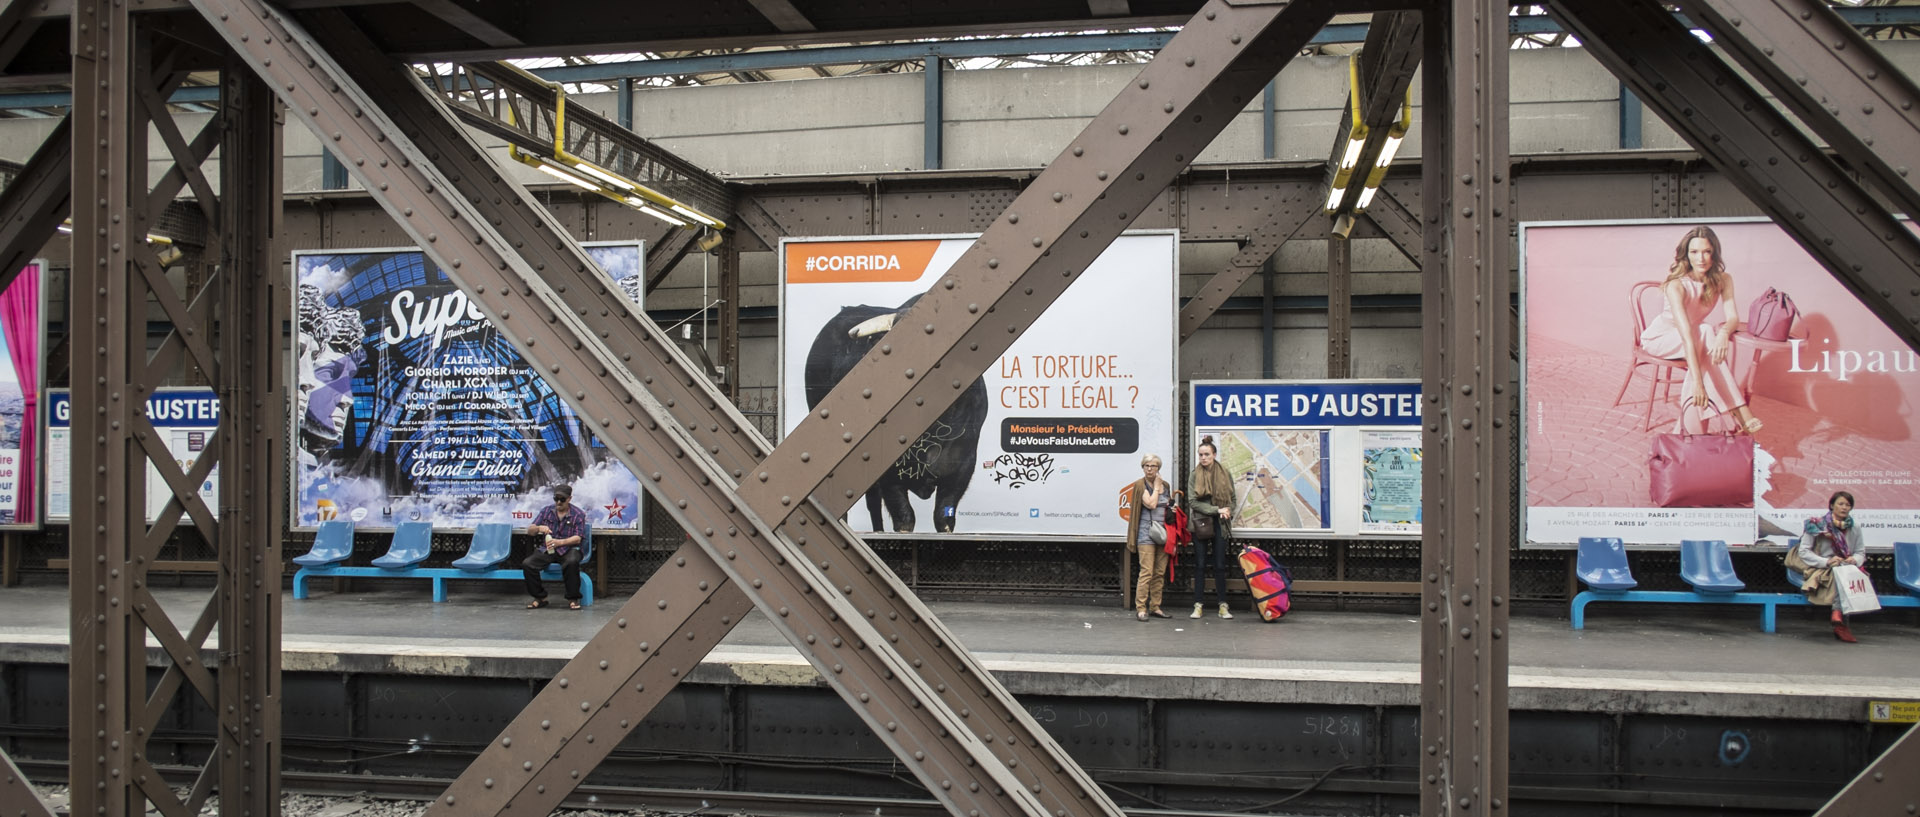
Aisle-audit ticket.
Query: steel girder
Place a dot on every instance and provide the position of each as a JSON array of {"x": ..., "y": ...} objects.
[
  {"x": 1339, "y": 307},
  {"x": 857, "y": 649},
  {"x": 1886, "y": 786},
  {"x": 120, "y": 81},
  {"x": 32, "y": 207},
  {"x": 1465, "y": 380},
  {"x": 1395, "y": 220},
  {"x": 1298, "y": 205},
  {"x": 1033, "y": 251},
  {"x": 1840, "y": 224},
  {"x": 909, "y": 627},
  {"x": 522, "y": 109},
  {"x": 1832, "y": 78},
  {"x": 253, "y": 399},
  {"x": 17, "y": 796}
]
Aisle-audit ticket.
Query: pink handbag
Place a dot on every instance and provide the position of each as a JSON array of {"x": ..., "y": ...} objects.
[
  {"x": 1701, "y": 471},
  {"x": 1771, "y": 315}
]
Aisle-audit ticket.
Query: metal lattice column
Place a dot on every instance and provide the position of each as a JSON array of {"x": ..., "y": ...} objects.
[{"x": 1465, "y": 380}]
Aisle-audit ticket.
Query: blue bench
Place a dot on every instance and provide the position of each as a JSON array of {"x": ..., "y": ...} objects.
[
  {"x": 412, "y": 541},
  {"x": 1708, "y": 568}
]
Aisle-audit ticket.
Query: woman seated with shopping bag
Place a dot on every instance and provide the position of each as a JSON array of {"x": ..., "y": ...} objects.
[{"x": 1828, "y": 558}]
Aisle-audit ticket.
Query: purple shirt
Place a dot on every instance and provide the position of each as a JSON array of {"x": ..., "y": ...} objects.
[{"x": 567, "y": 527}]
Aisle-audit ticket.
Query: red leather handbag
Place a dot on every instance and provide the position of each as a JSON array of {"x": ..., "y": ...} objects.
[
  {"x": 1701, "y": 471},
  {"x": 1771, "y": 316}
]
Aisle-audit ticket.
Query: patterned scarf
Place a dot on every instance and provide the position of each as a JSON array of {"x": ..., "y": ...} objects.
[
  {"x": 1825, "y": 526},
  {"x": 1213, "y": 484}
]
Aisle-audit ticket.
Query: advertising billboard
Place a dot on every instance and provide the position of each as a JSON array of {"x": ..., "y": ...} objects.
[
  {"x": 184, "y": 417},
  {"x": 1705, "y": 380},
  {"x": 1039, "y": 443},
  {"x": 411, "y": 406},
  {"x": 1315, "y": 458}
]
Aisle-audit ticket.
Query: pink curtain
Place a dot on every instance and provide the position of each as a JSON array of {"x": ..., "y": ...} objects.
[{"x": 20, "y": 313}]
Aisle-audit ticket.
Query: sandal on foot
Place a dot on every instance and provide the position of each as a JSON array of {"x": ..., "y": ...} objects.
[
  {"x": 1753, "y": 425},
  {"x": 573, "y": 605},
  {"x": 536, "y": 604}
]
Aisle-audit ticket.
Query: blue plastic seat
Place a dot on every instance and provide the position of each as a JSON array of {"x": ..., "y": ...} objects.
[
  {"x": 1906, "y": 565},
  {"x": 1707, "y": 566},
  {"x": 491, "y": 543},
  {"x": 333, "y": 543},
  {"x": 411, "y": 543},
  {"x": 1602, "y": 564}
]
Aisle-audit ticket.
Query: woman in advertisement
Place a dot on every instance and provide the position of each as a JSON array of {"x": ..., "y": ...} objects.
[
  {"x": 1829, "y": 541},
  {"x": 1696, "y": 284},
  {"x": 1149, "y": 500},
  {"x": 1210, "y": 496}
]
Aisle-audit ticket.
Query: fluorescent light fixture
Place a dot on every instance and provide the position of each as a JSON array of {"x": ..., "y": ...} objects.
[
  {"x": 1334, "y": 197},
  {"x": 656, "y": 213},
  {"x": 1387, "y": 150},
  {"x": 566, "y": 176},
  {"x": 1352, "y": 156},
  {"x": 65, "y": 227},
  {"x": 700, "y": 217},
  {"x": 1366, "y": 198},
  {"x": 604, "y": 176}
]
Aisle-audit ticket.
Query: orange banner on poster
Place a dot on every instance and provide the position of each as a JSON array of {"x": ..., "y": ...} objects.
[{"x": 843, "y": 262}]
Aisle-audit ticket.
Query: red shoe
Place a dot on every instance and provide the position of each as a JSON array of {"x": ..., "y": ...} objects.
[{"x": 1841, "y": 632}]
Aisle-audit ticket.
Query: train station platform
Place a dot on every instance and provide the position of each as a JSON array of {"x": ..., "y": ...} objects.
[{"x": 1642, "y": 659}]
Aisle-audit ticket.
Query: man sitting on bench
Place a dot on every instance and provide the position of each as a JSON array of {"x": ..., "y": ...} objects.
[{"x": 562, "y": 528}]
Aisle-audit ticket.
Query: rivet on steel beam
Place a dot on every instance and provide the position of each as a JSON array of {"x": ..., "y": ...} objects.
[
  {"x": 1102, "y": 176},
  {"x": 546, "y": 724},
  {"x": 1077, "y": 150}
]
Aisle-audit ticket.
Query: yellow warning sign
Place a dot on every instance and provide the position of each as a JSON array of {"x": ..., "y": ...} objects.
[{"x": 1893, "y": 711}]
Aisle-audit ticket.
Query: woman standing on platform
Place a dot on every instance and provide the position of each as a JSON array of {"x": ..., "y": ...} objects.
[
  {"x": 1828, "y": 542},
  {"x": 1210, "y": 496},
  {"x": 1696, "y": 284},
  {"x": 1149, "y": 500}
]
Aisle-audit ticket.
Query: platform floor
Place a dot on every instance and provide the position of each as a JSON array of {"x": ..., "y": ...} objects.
[{"x": 1630, "y": 658}]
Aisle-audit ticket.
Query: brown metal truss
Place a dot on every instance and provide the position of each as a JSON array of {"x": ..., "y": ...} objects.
[
  {"x": 1852, "y": 234},
  {"x": 1465, "y": 382},
  {"x": 17, "y": 796},
  {"x": 1339, "y": 307},
  {"x": 1886, "y": 786},
  {"x": 1832, "y": 78},
  {"x": 117, "y": 278},
  {"x": 1391, "y": 215},
  {"x": 1296, "y": 206},
  {"x": 32, "y": 207},
  {"x": 512, "y": 105}
]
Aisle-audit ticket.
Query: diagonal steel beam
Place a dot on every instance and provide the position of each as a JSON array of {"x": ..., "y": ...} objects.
[
  {"x": 1291, "y": 213},
  {"x": 1783, "y": 172},
  {"x": 725, "y": 434},
  {"x": 1128, "y": 154},
  {"x": 783, "y": 15},
  {"x": 852, "y": 647},
  {"x": 1465, "y": 375},
  {"x": 666, "y": 253},
  {"x": 32, "y": 207},
  {"x": 1831, "y": 77},
  {"x": 1397, "y": 222},
  {"x": 1886, "y": 786},
  {"x": 17, "y": 796}
]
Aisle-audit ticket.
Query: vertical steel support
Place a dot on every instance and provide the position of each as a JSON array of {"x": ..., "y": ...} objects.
[
  {"x": 107, "y": 668},
  {"x": 1465, "y": 385},
  {"x": 251, "y": 405},
  {"x": 1269, "y": 136},
  {"x": 623, "y": 108},
  {"x": 729, "y": 257},
  {"x": 1339, "y": 307},
  {"x": 1268, "y": 271},
  {"x": 1632, "y": 117},
  {"x": 934, "y": 116}
]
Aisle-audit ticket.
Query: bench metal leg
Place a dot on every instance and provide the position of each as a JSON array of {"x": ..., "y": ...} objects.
[
  {"x": 1767, "y": 618},
  {"x": 439, "y": 589},
  {"x": 300, "y": 583},
  {"x": 586, "y": 590},
  {"x": 1580, "y": 610}
]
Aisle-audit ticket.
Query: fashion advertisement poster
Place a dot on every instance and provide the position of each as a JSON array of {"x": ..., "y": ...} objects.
[
  {"x": 1705, "y": 380},
  {"x": 21, "y": 327},
  {"x": 1316, "y": 458},
  {"x": 411, "y": 406},
  {"x": 185, "y": 419},
  {"x": 1037, "y": 444}
]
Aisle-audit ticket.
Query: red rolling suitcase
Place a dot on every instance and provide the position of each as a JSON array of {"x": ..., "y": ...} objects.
[{"x": 1269, "y": 582}]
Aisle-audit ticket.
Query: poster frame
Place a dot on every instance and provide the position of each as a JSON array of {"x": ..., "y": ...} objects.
[
  {"x": 290, "y": 426},
  {"x": 1173, "y": 394},
  {"x": 1355, "y": 488}
]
